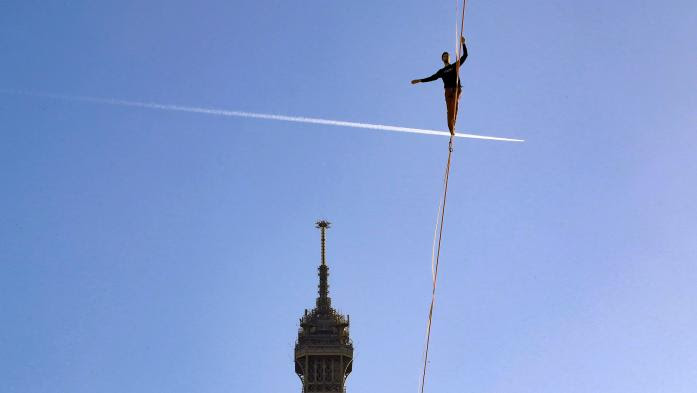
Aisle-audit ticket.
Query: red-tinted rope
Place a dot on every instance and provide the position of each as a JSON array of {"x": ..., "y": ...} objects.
[{"x": 441, "y": 217}]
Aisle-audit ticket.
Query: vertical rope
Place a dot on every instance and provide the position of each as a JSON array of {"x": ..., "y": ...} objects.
[
  {"x": 441, "y": 216},
  {"x": 439, "y": 225},
  {"x": 462, "y": 32}
]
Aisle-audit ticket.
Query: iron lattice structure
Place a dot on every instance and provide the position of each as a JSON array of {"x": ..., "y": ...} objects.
[{"x": 323, "y": 351}]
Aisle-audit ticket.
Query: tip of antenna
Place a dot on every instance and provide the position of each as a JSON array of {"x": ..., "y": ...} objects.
[{"x": 322, "y": 224}]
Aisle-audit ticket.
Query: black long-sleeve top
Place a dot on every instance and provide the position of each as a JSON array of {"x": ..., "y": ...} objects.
[{"x": 448, "y": 73}]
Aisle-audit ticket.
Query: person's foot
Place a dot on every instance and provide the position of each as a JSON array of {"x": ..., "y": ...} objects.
[{"x": 452, "y": 132}]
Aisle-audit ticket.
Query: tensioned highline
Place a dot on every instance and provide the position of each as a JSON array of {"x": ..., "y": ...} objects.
[{"x": 265, "y": 116}]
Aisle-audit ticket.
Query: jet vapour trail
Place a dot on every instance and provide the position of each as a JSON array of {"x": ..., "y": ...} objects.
[{"x": 265, "y": 116}]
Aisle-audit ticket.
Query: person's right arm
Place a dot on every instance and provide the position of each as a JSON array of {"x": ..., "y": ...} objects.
[{"x": 429, "y": 79}]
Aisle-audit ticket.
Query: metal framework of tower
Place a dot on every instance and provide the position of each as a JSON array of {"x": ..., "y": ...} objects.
[{"x": 323, "y": 351}]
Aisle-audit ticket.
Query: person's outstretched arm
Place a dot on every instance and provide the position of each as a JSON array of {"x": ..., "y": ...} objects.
[
  {"x": 429, "y": 79},
  {"x": 464, "y": 50}
]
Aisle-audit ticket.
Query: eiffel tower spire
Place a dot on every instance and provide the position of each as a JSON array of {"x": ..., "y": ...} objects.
[
  {"x": 324, "y": 351},
  {"x": 324, "y": 303}
]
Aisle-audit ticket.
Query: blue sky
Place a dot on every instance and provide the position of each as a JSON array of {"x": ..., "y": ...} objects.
[{"x": 155, "y": 251}]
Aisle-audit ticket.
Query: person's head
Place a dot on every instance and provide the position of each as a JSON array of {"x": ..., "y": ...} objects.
[{"x": 445, "y": 57}]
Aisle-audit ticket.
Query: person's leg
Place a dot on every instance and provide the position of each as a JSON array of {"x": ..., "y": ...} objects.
[
  {"x": 454, "y": 101},
  {"x": 450, "y": 104},
  {"x": 457, "y": 105}
]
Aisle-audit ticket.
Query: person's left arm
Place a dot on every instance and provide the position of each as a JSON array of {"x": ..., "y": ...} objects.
[{"x": 464, "y": 50}]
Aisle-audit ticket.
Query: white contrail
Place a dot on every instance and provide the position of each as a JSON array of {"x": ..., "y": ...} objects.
[{"x": 223, "y": 112}]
